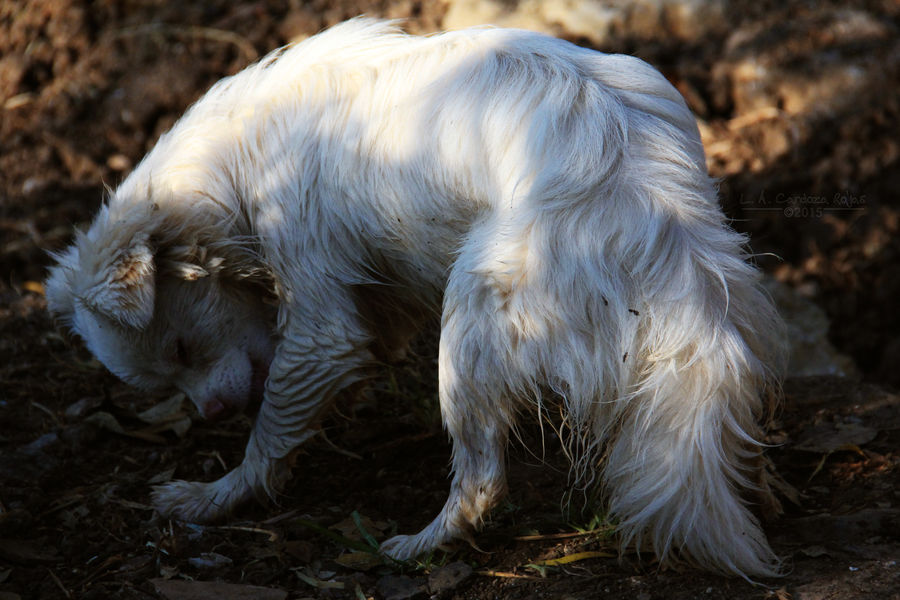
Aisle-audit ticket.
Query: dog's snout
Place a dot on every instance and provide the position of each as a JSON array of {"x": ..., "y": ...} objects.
[{"x": 214, "y": 409}]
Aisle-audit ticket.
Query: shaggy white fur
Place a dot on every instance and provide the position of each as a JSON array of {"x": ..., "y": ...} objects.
[{"x": 556, "y": 201}]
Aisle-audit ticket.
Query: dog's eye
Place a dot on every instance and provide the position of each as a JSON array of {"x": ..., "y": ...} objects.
[{"x": 180, "y": 354}]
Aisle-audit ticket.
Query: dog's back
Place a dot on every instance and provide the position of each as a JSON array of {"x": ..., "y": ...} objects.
[{"x": 472, "y": 123}]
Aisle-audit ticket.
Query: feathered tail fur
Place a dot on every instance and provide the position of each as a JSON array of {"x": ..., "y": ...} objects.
[{"x": 686, "y": 344}]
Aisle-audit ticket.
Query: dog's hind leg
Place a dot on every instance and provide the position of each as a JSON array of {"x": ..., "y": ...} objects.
[
  {"x": 479, "y": 431},
  {"x": 318, "y": 357},
  {"x": 474, "y": 372}
]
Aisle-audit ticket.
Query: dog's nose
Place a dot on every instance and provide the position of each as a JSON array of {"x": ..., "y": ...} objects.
[{"x": 214, "y": 409}]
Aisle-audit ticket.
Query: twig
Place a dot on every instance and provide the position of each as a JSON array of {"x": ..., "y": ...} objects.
[
  {"x": 279, "y": 518},
  {"x": 337, "y": 448},
  {"x": 100, "y": 570},
  {"x": 767, "y": 113},
  {"x": 339, "y": 539},
  {"x": 59, "y": 584},
  {"x": 273, "y": 535},
  {"x": 570, "y": 558},
  {"x": 221, "y": 460},
  {"x": 64, "y": 504},
  {"x": 43, "y": 408},
  {"x": 215, "y": 455},
  {"x": 506, "y": 575},
  {"x": 216, "y": 35},
  {"x": 559, "y": 536}
]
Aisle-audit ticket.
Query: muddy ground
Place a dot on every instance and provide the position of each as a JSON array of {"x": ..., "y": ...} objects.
[{"x": 799, "y": 105}]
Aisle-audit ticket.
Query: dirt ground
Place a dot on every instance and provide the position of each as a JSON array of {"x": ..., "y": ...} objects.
[{"x": 799, "y": 106}]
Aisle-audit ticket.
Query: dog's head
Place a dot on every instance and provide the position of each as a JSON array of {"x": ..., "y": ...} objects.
[{"x": 195, "y": 316}]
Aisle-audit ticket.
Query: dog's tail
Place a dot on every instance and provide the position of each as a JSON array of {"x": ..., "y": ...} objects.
[
  {"x": 684, "y": 450},
  {"x": 701, "y": 345}
]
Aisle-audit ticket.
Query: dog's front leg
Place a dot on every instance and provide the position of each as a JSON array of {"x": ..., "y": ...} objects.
[{"x": 316, "y": 359}]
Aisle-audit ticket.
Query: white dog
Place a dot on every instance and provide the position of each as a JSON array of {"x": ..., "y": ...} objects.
[{"x": 553, "y": 202}]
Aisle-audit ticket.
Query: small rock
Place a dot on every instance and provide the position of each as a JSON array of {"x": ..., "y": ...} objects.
[
  {"x": 210, "y": 560},
  {"x": 118, "y": 162},
  {"x": 807, "y": 329},
  {"x": 214, "y": 590},
  {"x": 448, "y": 577},
  {"x": 27, "y": 552},
  {"x": 34, "y": 185},
  {"x": 393, "y": 587},
  {"x": 31, "y": 463},
  {"x": 79, "y": 436},
  {"x": 81, "y": 408},
  {"x": 45, "y": 442},
  {"x": 15, "y": 522}
]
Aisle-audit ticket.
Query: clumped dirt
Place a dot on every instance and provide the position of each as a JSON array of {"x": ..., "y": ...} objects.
[{"x": 799, "y": 109}]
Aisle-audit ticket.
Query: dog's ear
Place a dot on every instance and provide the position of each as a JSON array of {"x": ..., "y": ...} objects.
[{"x": 124, "y": 288}]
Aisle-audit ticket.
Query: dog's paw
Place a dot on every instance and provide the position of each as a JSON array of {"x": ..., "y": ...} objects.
[
  {"x": 190, "y": 501},
  {"x": 408, "y": 547},
  {"x": 401, "y": 547}
]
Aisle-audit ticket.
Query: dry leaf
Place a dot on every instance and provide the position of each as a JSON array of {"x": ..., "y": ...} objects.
[
  {"x": 26, "y": 552},
  {"x": 105, "y": 420},
  {"x": 350, "y": 529},
  {"x": 214, "y": 590},
  {"x": 34, "y": 287},
  {"x": 165, "y": 411},
  {"x": 570, "y": 558},
  {"x": 162, "y": 477},
  {"x": 318, "y": 583},
  {"x": 814, "y": 551},
  {"x": 210, "y": 560},
  {"x": 359, "y": 561},
  {"x": 831, "y": 437}
]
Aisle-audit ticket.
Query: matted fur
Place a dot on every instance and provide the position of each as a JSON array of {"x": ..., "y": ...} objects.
[{"x": 555, "y": 200}]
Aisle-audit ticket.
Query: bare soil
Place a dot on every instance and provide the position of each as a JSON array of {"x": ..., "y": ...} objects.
[{"x": 800, "y": 110}]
